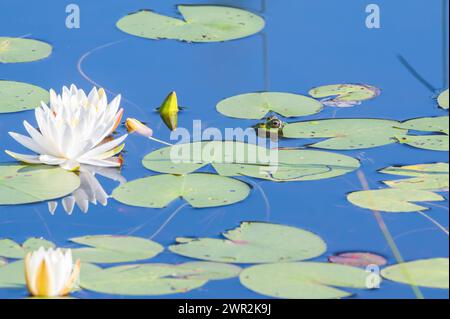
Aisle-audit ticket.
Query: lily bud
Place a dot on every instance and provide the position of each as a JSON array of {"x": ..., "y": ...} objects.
[{"x": 134, "y": 125}]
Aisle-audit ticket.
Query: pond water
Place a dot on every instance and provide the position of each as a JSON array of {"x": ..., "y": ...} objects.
[{"x": 304, "y": 44}]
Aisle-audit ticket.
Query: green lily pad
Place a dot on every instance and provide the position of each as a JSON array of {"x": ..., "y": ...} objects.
[
  {"x": 346, "y": 134},
  {"x": 19, "y": 96},
  {"x": 199, "y": 190},
  {"x": 431, "y": 273},
  {"x": 254, "y": 242},
  {"x": 427, "y": 124},
  {"x": 431, "y": 177},
  {"x": 142, "y": 280},
  {"x": 13, "y": 50},
  {"x": 200, "y": 24},
  {"x": 11, "y": 249},
  {"x": 114, "y": 249},
  {"x": 21, "y": 184},
  {"x": 12, "y": 275},
  {"x": 235, "y": 159},
  {"x": 257, "y": 105},
  {"x": 426, "y": 142},
  {"x": 344, "y": 95},
  {"x": 393, "y": 200},
  {"x": 211, "y": 271},
  {"x": 443, "y": 100},
  {"x": 304, "y": 280}
]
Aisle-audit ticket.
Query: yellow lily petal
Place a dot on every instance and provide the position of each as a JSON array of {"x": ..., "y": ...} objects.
[
  {"x": 43, "y": 282},
  {"x": 28, "y": 279}
]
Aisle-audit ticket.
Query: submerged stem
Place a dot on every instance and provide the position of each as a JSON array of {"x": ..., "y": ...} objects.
[
  {"x": 159, "y": 141},
  {"x": 435, "y": 222}
]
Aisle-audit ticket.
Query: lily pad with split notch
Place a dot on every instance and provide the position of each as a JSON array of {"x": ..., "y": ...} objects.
[
  {"x": 20, "y": 184},
  {"x": 199, "y": 190},
  {"x": 303, "y": 280},
  {"x": 143, "y": 280},
  {"x": 430, "y": 273},
  {"x": 236, "y": 159},
  {"x": 14, "y": 50},
  {"x": 258, "y": 105},
  {"x": 254, "y": 242},
  {"x": 346, "y": 134},
  {"x": 344, "y": 95},
  {"x": 114, "y": 249},
  {"x": 427, "y": 124},
  {"x": 200, "y": 24},
  {"x": 393, "y": 200},
  {"x": 19, "y": 96},
  {"x": 431, "y": 177}
]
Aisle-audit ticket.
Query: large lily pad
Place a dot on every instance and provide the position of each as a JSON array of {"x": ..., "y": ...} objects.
[
  {"x": 11, "y": 249},
  {"x": 114, "y": 249},
  {"x": 13, "y": 50},
  {"x": 443, "y": 100},
  {"x": 235, "y": 159},
  {"x": 199, "y": 190},
  {"x": 29, "y": 184},
  {"x": 427, "y": 124},
  {"x": 254, "y": 242},
  {"x": 344, "y": 95},
  {"x": 432, "y": 273},
  {"x": 304, "y": 280},
  {"x": 257, "y": 105},
  {"x": 148, "y": 279},
  {"x": 427, "y": 142},
  {"x": 12, "y": 275},
  {"x": 200, "y": 24},
  {"x": 19, "y": 96},
  {"x": 432, "y": 177},
  {"x": 393, "y": 200},
  {"x": 346, "y": 134}
]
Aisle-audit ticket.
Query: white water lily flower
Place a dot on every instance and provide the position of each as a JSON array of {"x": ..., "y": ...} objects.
[
  {"x": 73, "y": 130},
  {"x": 51, "y": 273}
]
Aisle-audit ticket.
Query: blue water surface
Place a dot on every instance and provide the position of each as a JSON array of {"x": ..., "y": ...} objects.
[{"x": 305, "y": 44}]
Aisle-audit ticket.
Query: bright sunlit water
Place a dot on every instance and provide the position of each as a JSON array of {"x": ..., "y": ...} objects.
[{"x": 305, "y": 44}]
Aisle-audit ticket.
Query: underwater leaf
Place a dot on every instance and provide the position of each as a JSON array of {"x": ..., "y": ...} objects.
[
  {"x": 142, "y": 280},
  {"x": 169, "y": 111},
  {"x": 12, "y": 275},
  {"x": 431, "y": 177},
  {"x": 254, "y": 242},
  {"x": 13, "y": 50},
  {"x": 3, "y": 262},
  {"x": 114, "y": 249},
  {"x": 346, "y": 134},
  {"x": 199, "y": 190},
  {"x": 358, "y": 259},
  {"x": 344, "y": 95},
  {"x": 431, "y": 273},
  {"x": 257, "y": 105},
  {"x": 236, "y": 159},
  {"x": 200, "y": 24},
  {"x": 427, "y": 124},
  {"x": 21, "y": 184},
  {"x": 443, "y": 100},
  {"x": 303, "y": 280},
  {"x": 19, "y": 96},
  {"x": 393, "y": 200},
  {"x": 11, "y": 249},
  {"x": 426, "y": 142}
]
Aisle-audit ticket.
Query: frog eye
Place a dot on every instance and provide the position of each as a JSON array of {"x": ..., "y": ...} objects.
[{"x": 276, "y": 123}]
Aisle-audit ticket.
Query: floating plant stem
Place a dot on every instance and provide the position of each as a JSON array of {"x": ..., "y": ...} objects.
[
  {"x": 390, "y": 240},
  {"x": 435, "y": 222}
]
